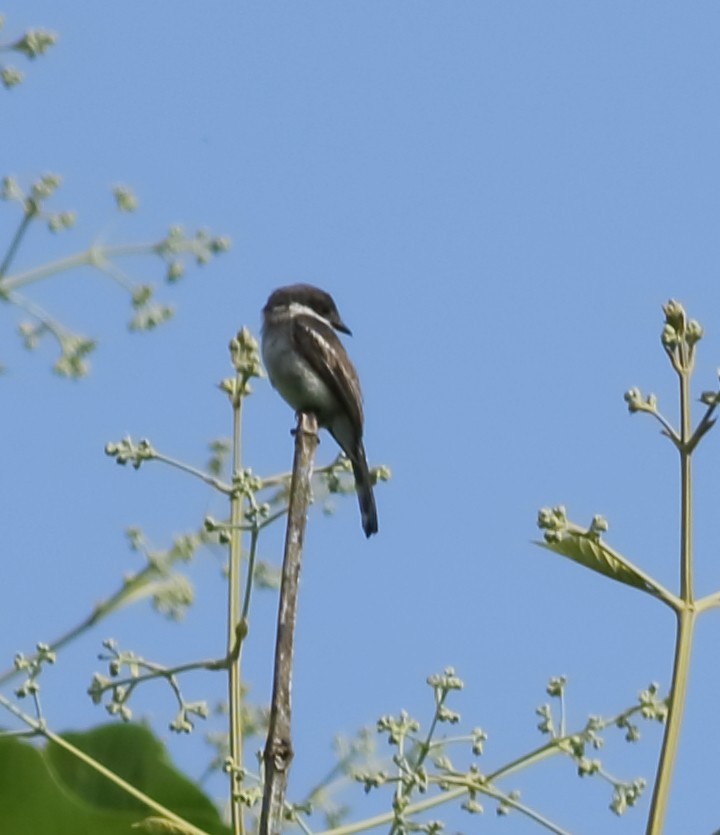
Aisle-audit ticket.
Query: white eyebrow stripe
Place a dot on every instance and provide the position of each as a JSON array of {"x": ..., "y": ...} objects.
[{"x": 298, "y": 309}]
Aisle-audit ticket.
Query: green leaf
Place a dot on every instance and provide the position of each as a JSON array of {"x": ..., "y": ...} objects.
[
  {"x": 49, "y": 790},
  {"x": 594, "y": 554}
]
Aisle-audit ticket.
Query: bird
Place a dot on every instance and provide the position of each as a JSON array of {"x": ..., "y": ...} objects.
[{"x": 309, "y": 367}]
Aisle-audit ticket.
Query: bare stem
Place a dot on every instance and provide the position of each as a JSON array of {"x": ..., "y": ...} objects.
[
  {"x": 278, "y": 749},
  {"x": 33, "y": 309},
  {"x": 686, "y": 614},
  {"x": 446, "y": 797},
  {"x": 686, "y": 530},
  {"x": 156, "y": 671},
  {"x": 15, "y": 243},
  {"x": 217, "y": 483},
  {"x": 88, "y": 257},
  {"x": 669, "y": 431},
  {"x": 234, "y": 680},
  {"x": 678, "y": 691}
]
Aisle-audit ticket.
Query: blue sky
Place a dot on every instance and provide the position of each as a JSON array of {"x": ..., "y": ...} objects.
[{"x": 500, "y": 196}]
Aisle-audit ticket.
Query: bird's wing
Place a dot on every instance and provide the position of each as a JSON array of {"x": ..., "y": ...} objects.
[{"x": 324, "y": 352}]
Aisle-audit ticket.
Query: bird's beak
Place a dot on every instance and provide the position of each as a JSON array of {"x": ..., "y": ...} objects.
[{"x": 339, "y": 325}]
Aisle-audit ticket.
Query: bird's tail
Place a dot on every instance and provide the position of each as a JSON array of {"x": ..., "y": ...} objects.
[{"x": 363, "y": 486}]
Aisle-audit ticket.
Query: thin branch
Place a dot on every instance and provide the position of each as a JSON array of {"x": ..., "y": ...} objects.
[
  {"x": 235, "y": 630},
  {"x": 19, "y": 734},
  {"x": 508, "y": 800},
  {"x": 251, "y": 527},
  {"x": 88, "y": 257},
  {"x": 558, "y": 745},
  {"x": 537, "y": 755},
  {"x": 439, "y": 800},
  {"x": 706, "y": 423},
  {"x": 278, "y": 749},
  {"x": 193, "y": 471},
  {"x": 710, "y": 601},
  {"x": 51, "y": 324},
  {"x": 254, "y": 534},
  {"x": 15, "y": 243},
  {"x": 388, "y": 817},
  {"x": 115, "y": 273},
  {"x": 667, "y": 426},
  {"x": 156, "y": 671}
]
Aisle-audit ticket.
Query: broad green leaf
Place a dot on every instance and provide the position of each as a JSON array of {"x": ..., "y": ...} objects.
[{"x": 47, "y": 790}]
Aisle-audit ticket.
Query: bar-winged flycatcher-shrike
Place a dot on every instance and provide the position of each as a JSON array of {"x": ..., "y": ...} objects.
[{"x": 310, "y": 368}]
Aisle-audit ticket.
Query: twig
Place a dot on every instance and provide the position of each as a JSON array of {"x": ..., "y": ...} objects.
[
  {"x": 236, "y": 629},
  {"x": 156, "y": 671},
  {"x": 216, "y": 483},
  {"x": 15, "y": 243},
  {"x": 88, "y": 257},
  {"x": 278, "y": 748}
]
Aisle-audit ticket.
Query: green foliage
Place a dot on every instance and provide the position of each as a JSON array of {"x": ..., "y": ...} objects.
[
  {"x": 119, "y": 776},
  {"x": 679, "y": 338},
  {"x": 587, "y": 548},
  {"x": 50, "y": 790},
  {"x": 175, "y": 251}
]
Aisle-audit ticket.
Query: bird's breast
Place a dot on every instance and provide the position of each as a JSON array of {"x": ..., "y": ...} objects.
[{"x": 294, "y": 378}]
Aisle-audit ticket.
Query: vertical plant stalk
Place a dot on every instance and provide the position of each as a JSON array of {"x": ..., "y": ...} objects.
[
  {"x": 678, "y": 691},
  {"x": 685, "y": 611},
  {"x": 235, "y": 626},
  {"x": 278, "y": 748},
  {"x": 686, "y": 520}
]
